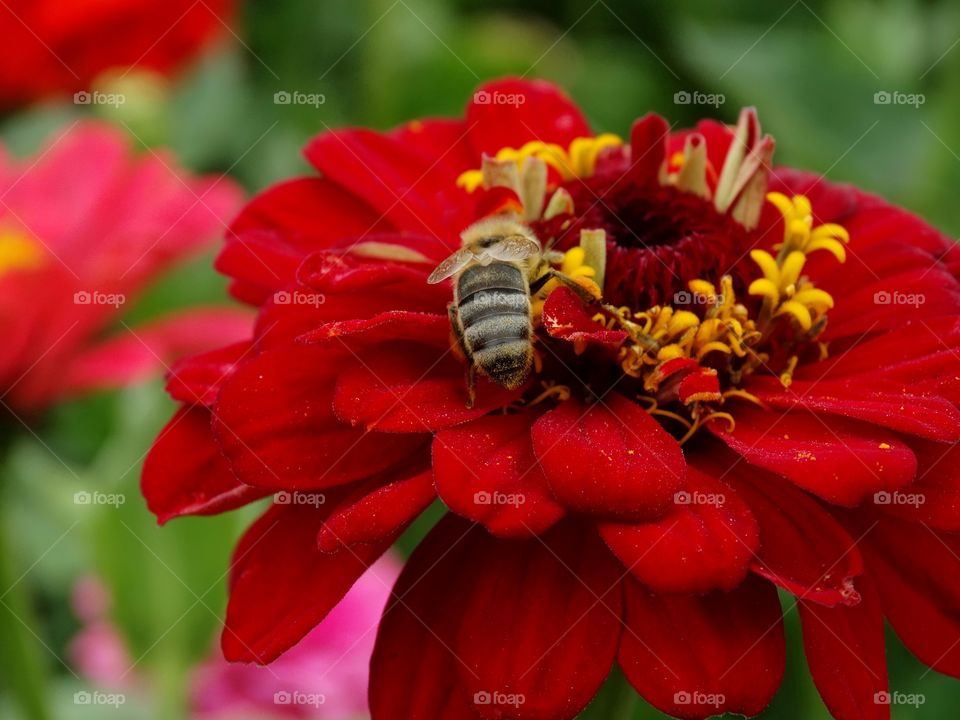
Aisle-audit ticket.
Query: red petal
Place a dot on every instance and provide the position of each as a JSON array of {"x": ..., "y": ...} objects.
[
  {"x": 846, "y": 655},
  {"x": 339, "y": 272},
  {"x": 281, "y": 585},
  {"x": 197, "y": 379},
  {"x": 414, "y": 673},
  {"x": 274, "y": 420},
  {"x": 387, "y": 326},
  {"x": 802, "y": 548},
  {"x": 934, "y": 499},
  {"x": 148, "y": 350},
  {"x": 533, "y": 611},
  {"x": 486, "y": 471},
  {"x": 841, "y": 460},
  {"x": 413, "y": 191},
  {"x": 185, "y": 473},
  {"x": 700, "y": 386},
  {"x": 694, "y": 656},
  {"x": 705, "y": 542},
  {"x": 406, "y": 388},
  {"x": 879, "y": 404},
  {"x": 910, "y": 352},
  {"x": 510, "y": 112},
  {"x": 648, "y": 148},
  {"x": 310, "y": 213},
  {"x": 564, "y": 316},
  {"x": 377, "y": 514},
  {"x": 888, "y": 303},
  {"x": 917, "y": 571},
  {"x": 609, "y": 458},
  {"x": 445, "y": 139}
]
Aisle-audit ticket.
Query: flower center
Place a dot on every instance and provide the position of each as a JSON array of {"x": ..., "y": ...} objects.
[
  {"x": 18, "y": 252},
  {"x": 686, "y": 308}
]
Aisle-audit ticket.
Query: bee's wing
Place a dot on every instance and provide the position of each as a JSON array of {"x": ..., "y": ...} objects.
[
  {"x": 452, "y": 264},
  {"x": 513, "y": 248}
]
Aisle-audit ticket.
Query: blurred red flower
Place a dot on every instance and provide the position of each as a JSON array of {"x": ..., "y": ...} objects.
[
  {"x": 55, "y": 47},
  {"x": 85, "y": 226},
  {"x": 680, "y": 450}
]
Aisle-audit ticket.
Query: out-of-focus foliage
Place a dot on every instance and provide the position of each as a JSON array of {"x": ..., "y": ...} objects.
[{"x": 813, "y": 68}]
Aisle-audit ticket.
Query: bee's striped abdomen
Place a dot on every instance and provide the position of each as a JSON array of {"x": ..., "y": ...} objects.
[{"x": 493, "y": 303}]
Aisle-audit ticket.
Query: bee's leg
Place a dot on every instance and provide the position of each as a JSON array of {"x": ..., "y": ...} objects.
[
  {"x": 471, "y": 385},
  {"x": 461, "y": 343},
  {"x": 566, "y": 280}
]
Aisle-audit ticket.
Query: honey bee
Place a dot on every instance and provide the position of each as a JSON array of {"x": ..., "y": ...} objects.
[{"x": 499, "y": 267}]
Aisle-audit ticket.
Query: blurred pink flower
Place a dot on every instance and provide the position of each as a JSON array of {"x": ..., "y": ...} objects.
[
  {"x": 85, "y": 225},
  {"x": 323, "y": 677}
]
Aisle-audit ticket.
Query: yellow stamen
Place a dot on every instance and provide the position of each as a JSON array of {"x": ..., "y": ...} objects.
[
  {"x": 578, "y": 161},
  {"x": 799, "y": 234}
]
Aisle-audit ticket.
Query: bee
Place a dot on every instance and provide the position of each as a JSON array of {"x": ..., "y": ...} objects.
[{"x": 500, "y": 265}]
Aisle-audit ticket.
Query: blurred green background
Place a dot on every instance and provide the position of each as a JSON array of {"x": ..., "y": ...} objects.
[{"x": 811, "y": 67}]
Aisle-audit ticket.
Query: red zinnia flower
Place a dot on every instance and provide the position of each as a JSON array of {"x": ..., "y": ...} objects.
[
  {"x": 697, "y": 438},
  {"x": 55, "y": 47},
  {"x": 84, "y": 227}
]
